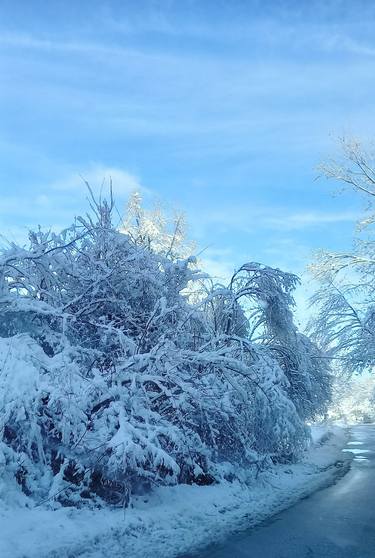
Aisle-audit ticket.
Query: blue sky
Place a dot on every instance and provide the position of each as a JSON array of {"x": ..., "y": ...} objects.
[{"x": 221, "y": 109}]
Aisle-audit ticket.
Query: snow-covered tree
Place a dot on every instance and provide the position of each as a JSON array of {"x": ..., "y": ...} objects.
[
  {"x": 157, "y": 230},
  {"x": 266, "y": 295},
  {"x": 345, "y": 321},
  {"x": 113, "y": 380}
]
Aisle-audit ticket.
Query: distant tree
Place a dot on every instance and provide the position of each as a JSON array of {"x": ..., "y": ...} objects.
[
  {"x": 353, "y": 399},
  {"x": 345, "y": 320},
  {"x": 157, "y": 230}
]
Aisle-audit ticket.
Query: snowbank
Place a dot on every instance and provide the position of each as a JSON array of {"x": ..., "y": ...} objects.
[{"x": 172, "y": 521}]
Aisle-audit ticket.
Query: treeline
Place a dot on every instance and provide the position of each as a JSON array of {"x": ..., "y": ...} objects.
[{"x": 123, "y": 366}]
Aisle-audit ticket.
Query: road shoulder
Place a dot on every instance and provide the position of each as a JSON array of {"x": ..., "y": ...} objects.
[{"x": 177, "y": 520}]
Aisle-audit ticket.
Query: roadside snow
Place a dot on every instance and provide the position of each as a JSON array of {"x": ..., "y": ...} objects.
[{"x": 171, "y": 521}]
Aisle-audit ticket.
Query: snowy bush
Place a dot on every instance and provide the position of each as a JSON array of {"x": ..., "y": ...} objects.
[{"x": 113, "y": 380}]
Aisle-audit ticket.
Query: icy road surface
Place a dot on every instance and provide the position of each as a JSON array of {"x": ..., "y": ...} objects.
[{"x": 337, "y": 522}]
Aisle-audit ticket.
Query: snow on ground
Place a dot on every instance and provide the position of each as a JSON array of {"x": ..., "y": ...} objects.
[{"x": 171, "y": 521}]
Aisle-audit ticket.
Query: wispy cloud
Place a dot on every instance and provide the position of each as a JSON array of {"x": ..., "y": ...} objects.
[
  {"x": 307, "y": 219},
  {"x": 29, "y": 41},
  {"x": 54, "y": 205},
  {"x": 99, "y": 178},
  {"x": 276, "y": 218},
  {"x": 227, "y": 98},
  {"x": 324, "y": 28}
]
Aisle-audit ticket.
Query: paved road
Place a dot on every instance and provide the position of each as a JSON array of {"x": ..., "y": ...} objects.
[{"x": 337, "y": 522}]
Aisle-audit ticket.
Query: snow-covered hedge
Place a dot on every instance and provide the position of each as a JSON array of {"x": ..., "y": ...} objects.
[{"x": 113, "y": 378}]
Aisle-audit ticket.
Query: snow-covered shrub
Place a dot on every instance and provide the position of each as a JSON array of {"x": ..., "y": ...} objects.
[{"x": 112, "y": 380}]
